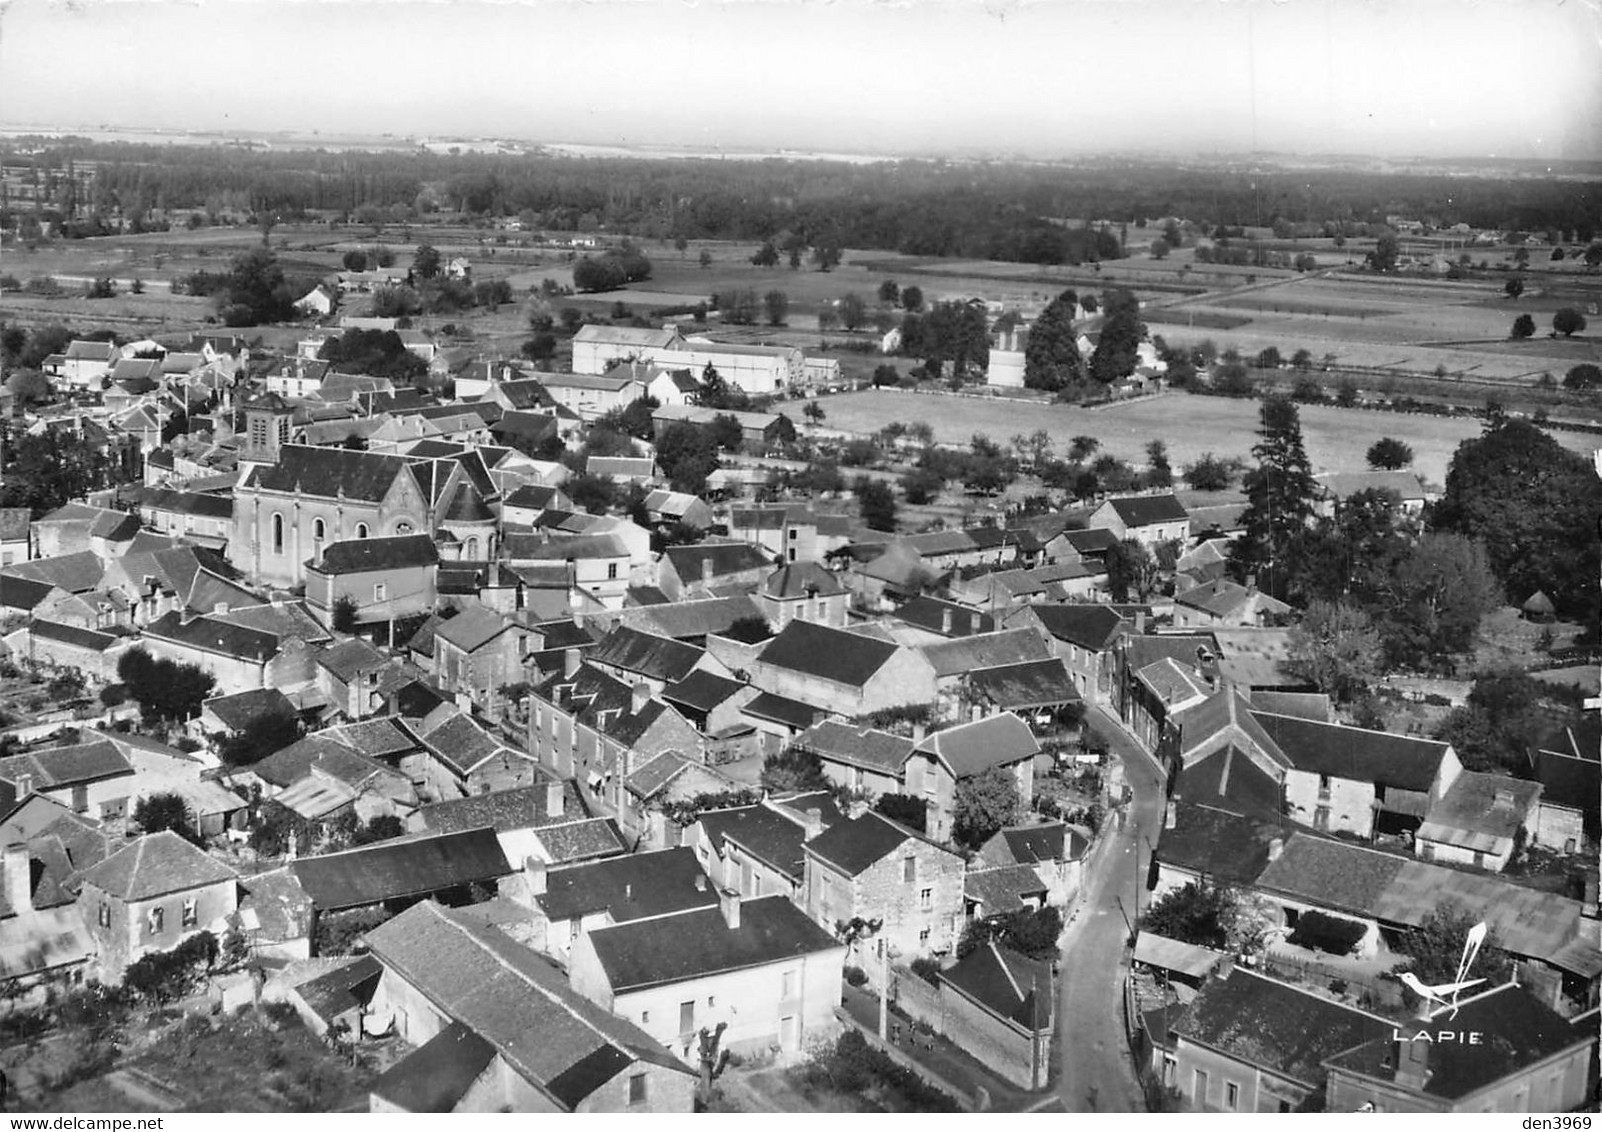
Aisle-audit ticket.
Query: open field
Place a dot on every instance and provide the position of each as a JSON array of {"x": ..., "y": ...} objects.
[{"x": 1336, "y": 439}]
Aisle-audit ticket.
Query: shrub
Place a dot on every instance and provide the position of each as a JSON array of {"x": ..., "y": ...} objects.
[
  {"x": 161, "y": 976},
  {"x": 855, "y": 976}
]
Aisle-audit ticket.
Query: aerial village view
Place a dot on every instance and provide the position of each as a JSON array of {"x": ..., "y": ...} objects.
[{"x": 809, "y": 625}]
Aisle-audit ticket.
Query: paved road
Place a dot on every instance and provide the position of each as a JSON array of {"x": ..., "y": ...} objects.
[{"x": 1097, "y": 1071}]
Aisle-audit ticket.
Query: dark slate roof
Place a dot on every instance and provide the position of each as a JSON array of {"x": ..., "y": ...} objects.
[
  {"x": 1000, "y": 889},
  {"x": 693, "y": 620},
  {"x": 856, "y": 845},
  {"x": 931, "y": 613},
  {"x": 700, "y": 562},
  {"x": 22, "y": 593},
  {"x": 585, "y": 840},
  {"x": 646, "y": 654},
  {"x": 831, "y": 654},
  {"x": 781, "y": 709},
  {"x": 1092, "y": 627},
  {"x": 986, "y": 650},
  {"x": 701, "y": 690},
  {"x": 211, "y": 635},
  {"x": 394, "y": 870},
  {"x": 1034, "y": 683},
  {"x": 1331, "y": 874},
  {"x": 72, "y": 635},
  {"x": 1226, "y": 845},
  {"x": 356, "y": 556},
  {"x": 1568, "y": 781},
  {"x": 640, "y": 886},
  {"x": 329, "y": 472},
  {"x": 437, "y": 1074},
  {"x": 1098, "y": 541},
  {"x": 1143, "y": 510},
  {"x": 800, "y": 580},
  {"x": 699, "y": 943},
  {"x": 1519, "y": 1031},
  {"x": 1050, "y": 842},
  {"x": 516, "y": 1000},
  {"x": 1398, "y": 761},
  {"x": 1009, "y": 985},
  {"x": 1279, "y": 1027},
  {"x": 156, "y": 865},
  {"x": 1229, "y": 777},
  {"x": 760, "y": 831},
  {"x": 523, "y": 807},
  {"x": 187, "y": 502}
]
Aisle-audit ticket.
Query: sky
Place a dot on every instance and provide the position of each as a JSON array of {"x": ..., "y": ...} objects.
[{"x": 1049, "y": 78}]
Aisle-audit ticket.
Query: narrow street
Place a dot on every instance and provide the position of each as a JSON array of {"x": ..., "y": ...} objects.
[{"x": 1097, "y": 1071}]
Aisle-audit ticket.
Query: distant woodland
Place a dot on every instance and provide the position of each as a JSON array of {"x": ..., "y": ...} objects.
[{"x": 1018, "y": 212}]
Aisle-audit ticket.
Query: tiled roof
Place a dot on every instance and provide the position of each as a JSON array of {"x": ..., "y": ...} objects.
[
  {"x": 1331, "y": 874},
  {"x": 1221, "y": 843},
  {"x": 1050, "y": 842},
  {"x": 1275, "y": 1026},
  {"x": 473, "y": 628},
  {"x": 54, "y": 767},
  {"x": 701, "y": 690},
  {"x": 781, "y": 709},
  {"x": 349, "y": 659},
  {"x": 72, "y": 635},
  {"x": 639, "y": 886},
  {"x": 209, "y": 634},
  {"x": 1344, "y": 485},
  {"x": 686, "y": 620},
  {"x": 1092, "y": 627},
  {"x": 575, "y": 841},
  {"x": 395, "y": 870},
  {"x": 523, "y": 807},
  {"x": 76, "y": 573},
  {"x": 328, "y": 473},
  {"x": 702, "y": 562},
  {"x": 986, "y": 650},
  {"x": 22, "y": 593},
  {"x": 1001, "y": 888},
  {"x": 945, "y": 617},
  {"x": 356, "y": 556},
  {"x": 646, "y": 654},
  {"x": 241, "y": 709},
  {"x": 857, "y": 746},
  {"x": 437, "y": 1074},
  {"x": 832, "y": 654},
  {"x": 971, "y": 748},
  {"x": 516, "y": 1000},
  {"x": 1145, "y": 510},
  {"x": 760, "y": 831},
  {"x": 697, "y": 944},
  {"x": 1032, "y": 684},
  {"x": 1569, "y": 781},
  {"x": 155, "y": 865},
  {"x": 800, "y": 580}
]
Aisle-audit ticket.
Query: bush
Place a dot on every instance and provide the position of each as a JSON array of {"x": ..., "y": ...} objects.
[
  {"x": 336, "y": 932},
  {"x": 1333, "y": 934},
  {"x": 855, "y": 976},
  {"x": 161, "y": 976}
]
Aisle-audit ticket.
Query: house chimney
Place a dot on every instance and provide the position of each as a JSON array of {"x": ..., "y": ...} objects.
[
  {"x": 538, "y": 874},
  {"x": 1413, "y": 1060},
  {"x": 24, "y": 786},
  {"x": 1171, "y": 814},
  {"x": 555, "y": 798},
  {"x": 1251, "y": 583},
  {"x": 571, "y": 659},
  {"x": 700, "y": 882},
  {"x": 945, "y": 622},
  {"x": 640, "y": 697},
  {"x": 729, "y": 904},
  {"x": 628, "y": 891},
  {"x": 1140, "y": 622},
  {"x": 18, "y": 879},
  {"x": 219, "y": 607},
  {"x": 814, "y": 823},
  {"x": 918, "y": 732},
  {"x": 973, "y": 621},
  {"x": 1276, "y": 846}
]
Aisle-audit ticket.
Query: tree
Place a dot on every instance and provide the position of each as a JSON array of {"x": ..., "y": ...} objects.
[
  {"x": 355, "y": 260},
  {"x": 1121, "y": 332},
  {"x": 889, "y": 293},
  {"x": 1389, "y": 454},
  {"x": 1436, "y": 947},
  {"x": 1386, "y": 251},
  {"x": 344, "y": 615},
  {"x": 1033, "y": 932},
  {"x": 1501, "y": 725},
  {"x": 876, "y": 502},
  {"x": 1514, "y": 287},
  {"x": 766, "y": 256},
  {"x": 908, "y": 809},
  {"x": 427, "y": 262},
  {"x": 1302, "y": 359},
  {"x": 1159, "y": 472},
  {"x": 1051, "y": 354},
  {"x": 31, "y": 387},
  {"x": 826, "y": 255},
  {"x": 738, "y": 307},
  {"x": 1268, "y": 358},
  {"x": 157, "y": 812},
  {"x": 1279, "y": 492},
  {"x": 984, "y": 803},
  {"x": 1132, "y": 573},
  {"x": 1200, "y": 913},
  {"x": 163, "y": 688},
  {"x": 255, "y": 291},
  {"x": 792, "y": 770},
  {"x": 1438, "y": 594},
  {"x": 1583, "y": 376},
  {"x": 1082, "y": 448},
  {"x": 687, "y": 454},
  {"x": 912, "y": 298},
  {"x": 704, "y": 259},
  {"x": 262, "y": 736},
  {"x": 1208, "y": 473},
  {"x": 1593, "y": 256},
  {"x": 1523, "y": 326},
  {"x": 777, "y": 305},
  {"x": 102, "y": 288},
  {"x": 726, "y": 432},
  {"x": 1525, "y": 496},
  {"x": 1568, "y": 321},
  {"x": 852, "y": 310},
  {"x": 813, "y": 413},
  {"x": 1337, "y": 648}
]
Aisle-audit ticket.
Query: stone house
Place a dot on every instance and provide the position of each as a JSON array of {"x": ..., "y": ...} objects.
[
  {"x": 849, "y": 673},
  {"x": 572, "y": 900},
  {"x": 151, "y": 896},
  {"x": 1000, "y": 1005},
  {"x": 803, "y": 591},
  {"x": 870, "y": 868},
  {"x": 758, "y": 965},
  {"x": 942, "y": 759},
  {"x": 1148, "y": 519},
  {"x": 94, "y": 778},
  {"x": 465, "y": 759},
  {"x": 1084, "y": 637},
  {"x": 386, "y": 578}
]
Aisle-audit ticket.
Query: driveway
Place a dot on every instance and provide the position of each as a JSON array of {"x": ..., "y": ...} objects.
[{"x": 1098, "y": 1072}]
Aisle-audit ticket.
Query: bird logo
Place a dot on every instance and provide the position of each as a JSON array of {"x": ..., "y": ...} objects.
[{"x": 1448, "y": 994}]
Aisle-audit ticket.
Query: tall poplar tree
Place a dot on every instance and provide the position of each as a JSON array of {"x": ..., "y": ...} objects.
[{"x": 1279, "y": 493}]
